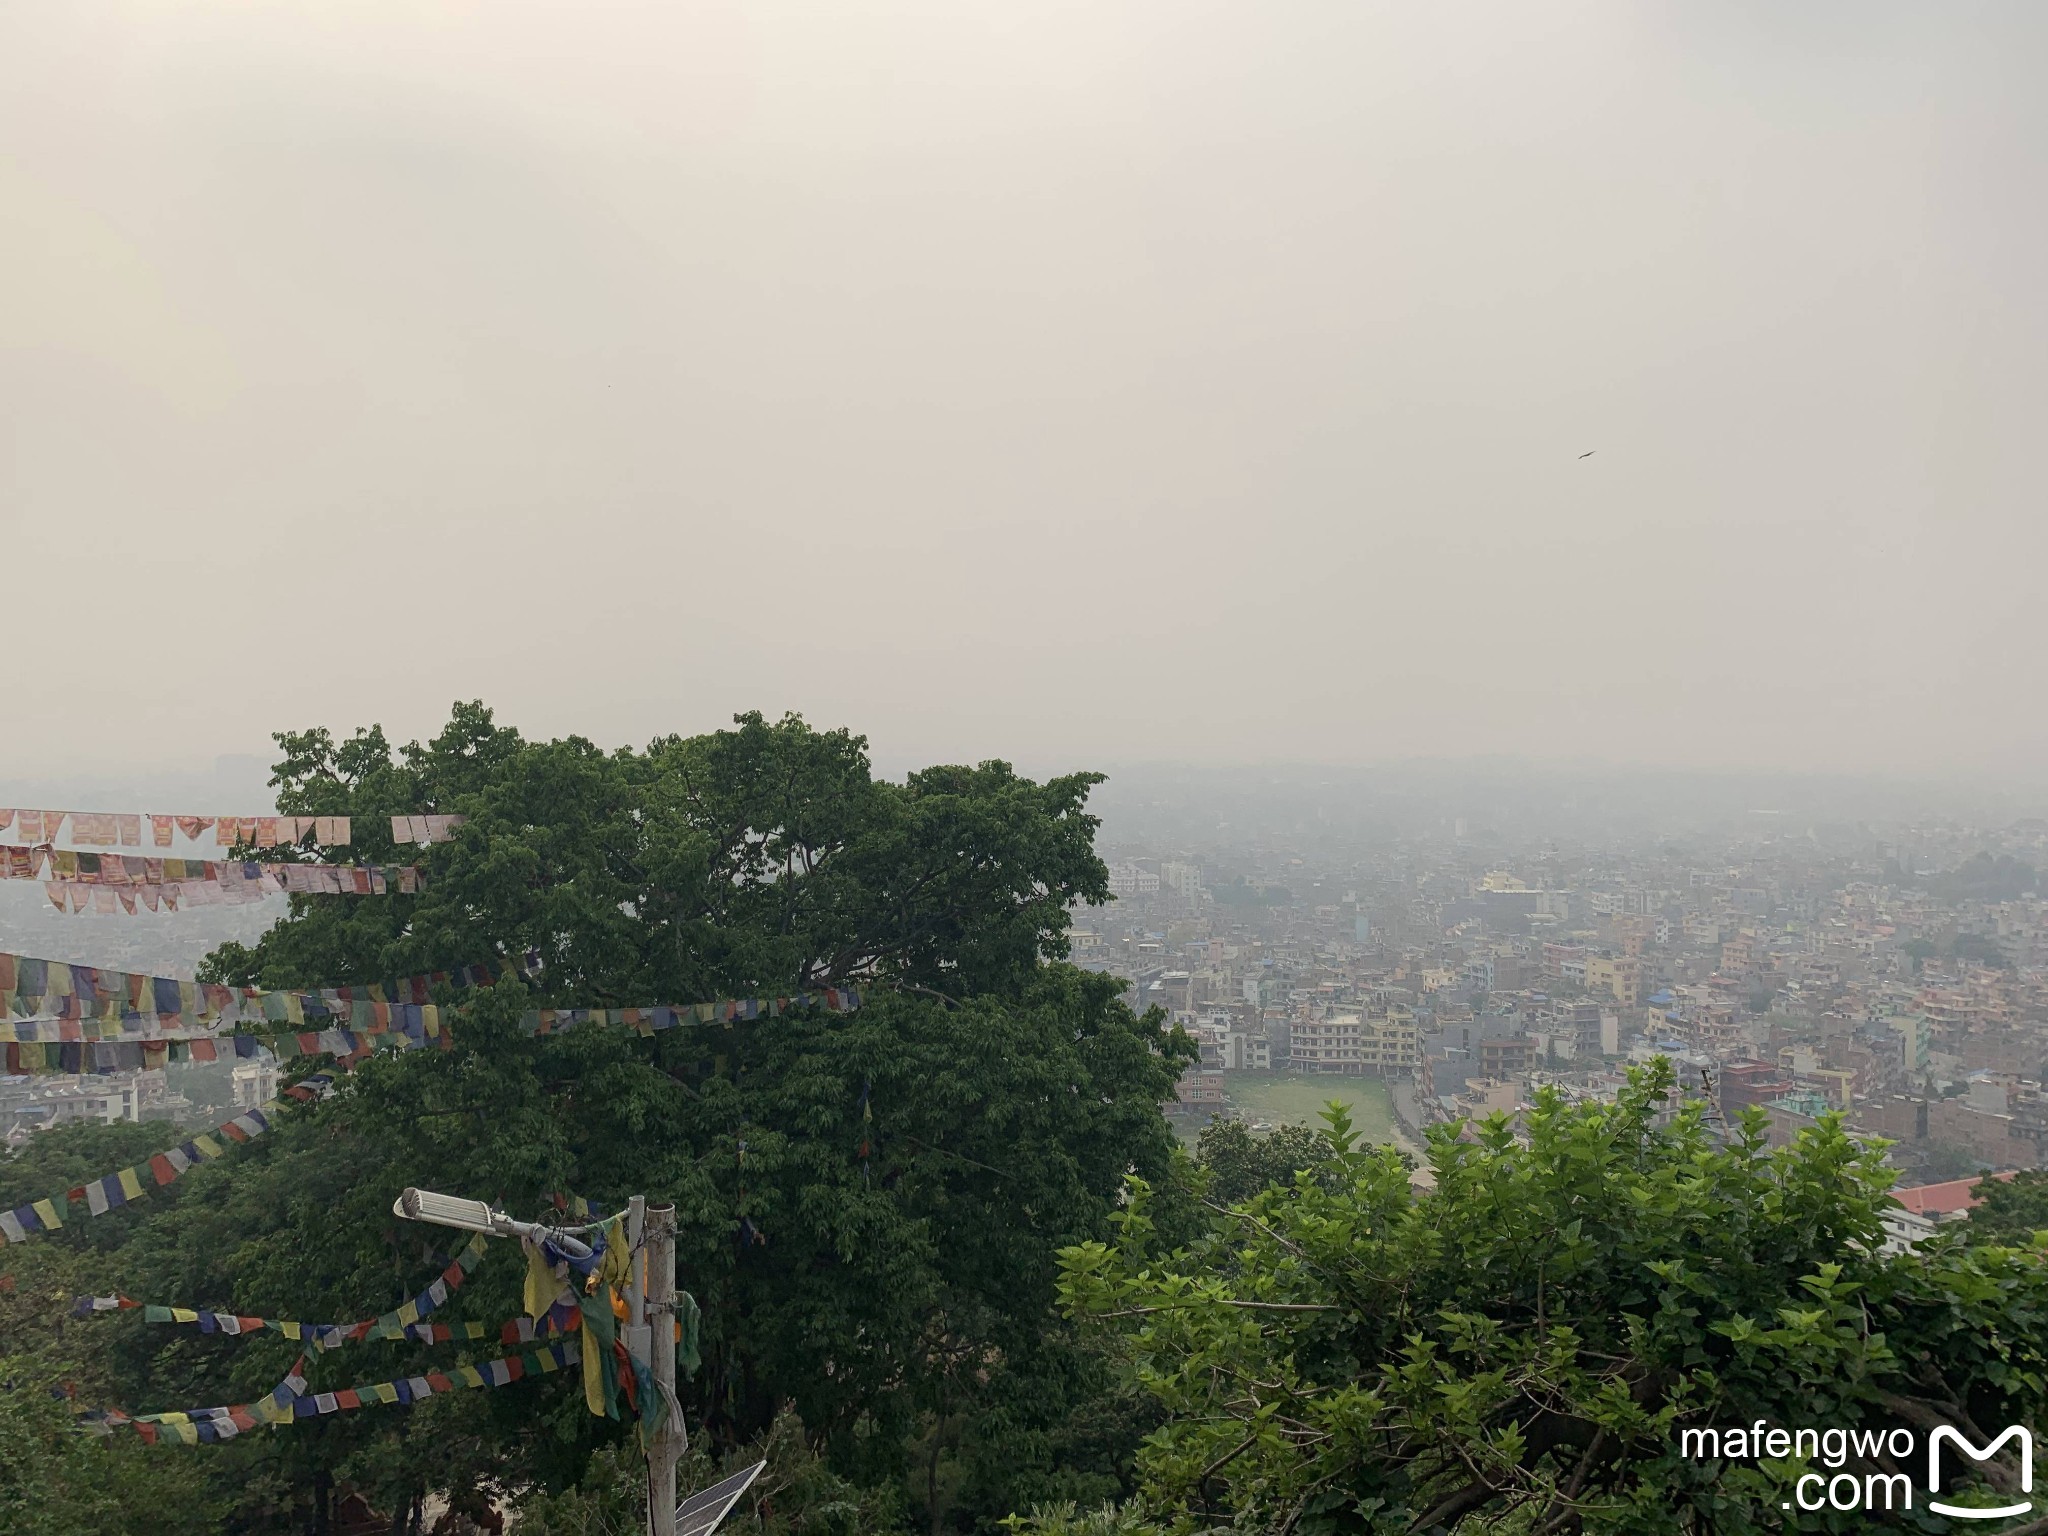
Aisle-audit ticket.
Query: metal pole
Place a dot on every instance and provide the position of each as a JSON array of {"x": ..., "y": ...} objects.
[{"x": 667, "y": 1447}]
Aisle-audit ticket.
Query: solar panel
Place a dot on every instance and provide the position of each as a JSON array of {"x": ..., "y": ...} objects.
[{"x": 700, "y": 1513}]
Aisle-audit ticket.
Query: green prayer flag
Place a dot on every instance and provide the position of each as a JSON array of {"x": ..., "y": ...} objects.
[{"x": 688, "y": 1321}]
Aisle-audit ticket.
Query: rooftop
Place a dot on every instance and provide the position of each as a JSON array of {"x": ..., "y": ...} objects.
[{"x": 1941, "y": 1199}]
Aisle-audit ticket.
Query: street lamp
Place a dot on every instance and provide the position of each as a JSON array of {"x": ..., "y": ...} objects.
[
  {"x": 655, "y": 1226},
  {"x": 478, "y": 1216}
]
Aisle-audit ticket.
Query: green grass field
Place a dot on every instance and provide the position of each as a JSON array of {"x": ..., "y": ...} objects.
[{"x": 1288, "y": 1098}]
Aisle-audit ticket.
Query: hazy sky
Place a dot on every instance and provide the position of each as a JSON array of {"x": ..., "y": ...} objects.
[{"x": 1062, "y": 381}]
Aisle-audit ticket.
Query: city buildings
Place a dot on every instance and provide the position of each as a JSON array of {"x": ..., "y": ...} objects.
[{"x": 1791, "y": 976}]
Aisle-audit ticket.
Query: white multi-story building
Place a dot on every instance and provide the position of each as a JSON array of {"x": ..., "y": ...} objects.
[
  {"x": 1127, "y": 880},
  {"x": 255, "y": 1082}
]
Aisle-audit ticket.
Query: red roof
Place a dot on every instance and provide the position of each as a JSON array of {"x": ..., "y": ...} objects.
[{"x": 1941, "y": 1199}]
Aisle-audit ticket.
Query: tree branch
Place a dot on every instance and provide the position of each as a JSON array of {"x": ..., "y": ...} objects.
[
  {"x": 1450, "y": 1510},
  {"x": 1225, "y": 1459},
  {"x": 1255, "y": 1306}
]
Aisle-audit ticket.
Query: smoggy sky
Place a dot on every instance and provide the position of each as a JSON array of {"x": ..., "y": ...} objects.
[{"x": 1068, "y": 381}]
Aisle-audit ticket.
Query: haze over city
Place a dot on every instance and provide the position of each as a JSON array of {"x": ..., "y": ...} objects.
[
  {"x": 928, "y": 768},
  {"x": 1075, "y": 384}
]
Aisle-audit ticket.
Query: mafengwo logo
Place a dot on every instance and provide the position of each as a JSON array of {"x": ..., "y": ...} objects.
[
  {"x": 1944, "y": 1435},
  {"x": 1869, "y": 1489}
]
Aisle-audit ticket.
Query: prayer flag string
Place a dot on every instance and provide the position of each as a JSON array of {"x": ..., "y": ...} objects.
[
  {"x": 425, "y": 829},
  {"x": 408, "y": 1320},
  {"x": 648, "y": 1021},
  {"x": 75, "y": 1047},
  {"x": 274, "y": 1407},
  {"x": 291, "y": 1402},
  {"x": 117, "y": 1189},
  {"x": 96, "y": 1046},
  {"x": 110, "y": 830},
  {"x": 131, "y": 871},
  {"x": 31, "y": 987},
  {"x": 121, "y": 830}
]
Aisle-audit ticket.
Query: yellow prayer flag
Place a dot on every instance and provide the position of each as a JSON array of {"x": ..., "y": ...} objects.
[
  {"x": 593, "y": 1372},
  {"x": 289, "y": 1330},
  {"x": 207, "y": 1146},
  {"x": 471, "y": 1376},
  {"x": 409, "y": 1313},
  {"x": 131, "y": 1183},
  {"x": 46, "y": 1212},
  {"x": 616, "y": 1267},
  {"x": 386, "y": 1392},
  {"x": 184, "y": 1315},
  {"x": 541, "y": 1285}
]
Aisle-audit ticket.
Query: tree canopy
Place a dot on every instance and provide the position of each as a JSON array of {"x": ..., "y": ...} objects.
[
  {"x": 869, "y": 1204},
  {"x": 1522, "y": 1348},
  {"x": 1240, "y": 1163},
  {"x": 2009, "y": 1210},
  {"x": 762, "y": 859}
]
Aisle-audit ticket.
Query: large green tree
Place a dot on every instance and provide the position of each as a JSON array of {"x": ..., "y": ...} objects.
[
  {"x": 765, "y": 858},
  {"x": 869, "y": 1203}
]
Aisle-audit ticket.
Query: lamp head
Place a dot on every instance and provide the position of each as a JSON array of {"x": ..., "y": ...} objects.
[{"x": 446, "y": 1211}]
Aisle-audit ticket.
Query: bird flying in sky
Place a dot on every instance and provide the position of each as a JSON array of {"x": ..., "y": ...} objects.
[{"x": 1589, "y": 453}]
